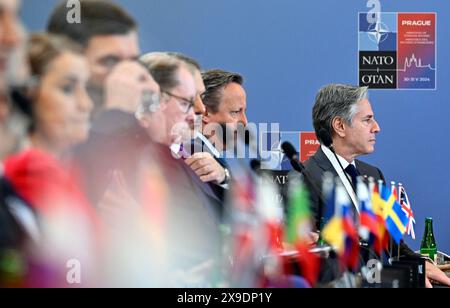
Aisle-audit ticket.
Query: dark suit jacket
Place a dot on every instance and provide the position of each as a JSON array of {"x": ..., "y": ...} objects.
[
  {"x": 197, "y": 145},
  {"x": 317, "y": 165},
  {"x": 12, "y": 235},
  {"x": 118, "y": 142},
  {"x": 193, "y": 211}
]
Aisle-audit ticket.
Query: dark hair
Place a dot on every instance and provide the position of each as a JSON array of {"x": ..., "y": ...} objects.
[
  {"x": 335, "y": 100},
  {"x": 215, "y": 81},
  {"x": 98, "y": 17}
]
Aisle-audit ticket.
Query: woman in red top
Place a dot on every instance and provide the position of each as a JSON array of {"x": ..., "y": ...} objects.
[{"x": 61, "y": 110}]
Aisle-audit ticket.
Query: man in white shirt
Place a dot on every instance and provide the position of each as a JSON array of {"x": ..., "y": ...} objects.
[
  {"x": 343, "y": 118},
  {"x": 226, "y": 104},
  {"x": 202, "y": 156}
]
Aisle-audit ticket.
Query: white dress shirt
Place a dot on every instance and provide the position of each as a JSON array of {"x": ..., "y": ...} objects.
[{"x": 342, "y": 174}]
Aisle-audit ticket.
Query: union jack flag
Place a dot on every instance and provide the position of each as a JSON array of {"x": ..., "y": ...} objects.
[{"x": 406, "y": 207}]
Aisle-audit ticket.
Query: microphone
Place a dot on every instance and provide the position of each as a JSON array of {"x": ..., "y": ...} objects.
[{"x": 292, "y": 154}]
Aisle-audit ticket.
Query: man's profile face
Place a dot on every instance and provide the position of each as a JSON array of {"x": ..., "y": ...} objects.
[
  {"x": 180, "y": 123},
  {"x": 232, "y": 108},
  {"x": 231, "y": 112},
  {"x": 103, "y": 52},
  {"x": 360, "y": 135}
]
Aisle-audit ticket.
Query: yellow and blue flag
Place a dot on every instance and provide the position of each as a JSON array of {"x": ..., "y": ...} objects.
[{"x": 396, "y": 219}]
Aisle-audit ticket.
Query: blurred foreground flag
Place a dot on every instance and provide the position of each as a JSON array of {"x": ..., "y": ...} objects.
[
  {"x": 368, "y": 226},
  {"x": 298, "y": 231},
  {"x": 340, "y": 231}
]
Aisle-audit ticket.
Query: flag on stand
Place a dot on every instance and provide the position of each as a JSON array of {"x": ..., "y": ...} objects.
[
  {"x": 378, "y": 205},
  {"x": 298, "y": 231},
  {"x": 395, "y": 218},
  {"x": 340, "y": 231},
  {"x": 406, "y": 206},
  {"x": 368, "y": 226}
]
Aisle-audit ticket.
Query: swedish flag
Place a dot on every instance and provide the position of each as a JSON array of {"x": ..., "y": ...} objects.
[{"x": 395, "y": 218}]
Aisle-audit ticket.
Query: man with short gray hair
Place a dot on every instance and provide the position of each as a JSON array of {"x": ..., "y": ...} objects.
[
  {"x": 204, "y": 163},
  {"x": 194, "y": 209},
  {"x": 343, "y": 117},
  {"x": 345, "y": 124}
]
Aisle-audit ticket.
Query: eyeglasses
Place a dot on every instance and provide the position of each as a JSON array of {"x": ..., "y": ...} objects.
[{"x": 185, "y": 104}]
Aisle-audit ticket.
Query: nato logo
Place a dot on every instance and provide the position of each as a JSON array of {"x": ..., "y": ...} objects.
[
  {"x": 397, "y": 50},
  {"x": 378, "y": 51}
]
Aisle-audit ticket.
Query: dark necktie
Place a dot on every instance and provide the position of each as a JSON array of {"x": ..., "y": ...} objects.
[{"x": 351, "y": 170}]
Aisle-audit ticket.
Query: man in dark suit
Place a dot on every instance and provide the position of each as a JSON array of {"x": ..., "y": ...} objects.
[
  {"x": 203, "y": 158},
  {"x": 344, "y": 121},
  {"x": 318, "y": 164},
  {"x": 193, "y": 208},
  {"x": 225, "y": 114}
]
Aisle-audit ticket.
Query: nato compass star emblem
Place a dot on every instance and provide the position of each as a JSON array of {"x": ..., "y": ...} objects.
[{"x": 378, "y": 32}]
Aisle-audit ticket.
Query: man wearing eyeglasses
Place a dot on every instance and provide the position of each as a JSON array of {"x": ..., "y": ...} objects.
[
  {"x": 193, "y": 207},
  {"x": 203, "y": 157}
]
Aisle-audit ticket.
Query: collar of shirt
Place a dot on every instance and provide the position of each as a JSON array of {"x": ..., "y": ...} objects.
[
  {"x": 208, "y": 144},
  {"x": 342, "y": 175},
  {"x": 175, "y": 148}
]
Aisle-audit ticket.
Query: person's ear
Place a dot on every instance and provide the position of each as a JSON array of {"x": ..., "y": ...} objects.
[
  {"x": 205, "y": 118},
  {"x": 338, "y": 124}
]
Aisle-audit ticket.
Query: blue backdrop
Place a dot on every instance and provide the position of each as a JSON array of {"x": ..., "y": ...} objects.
[{"x": 288, "y": 49}]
